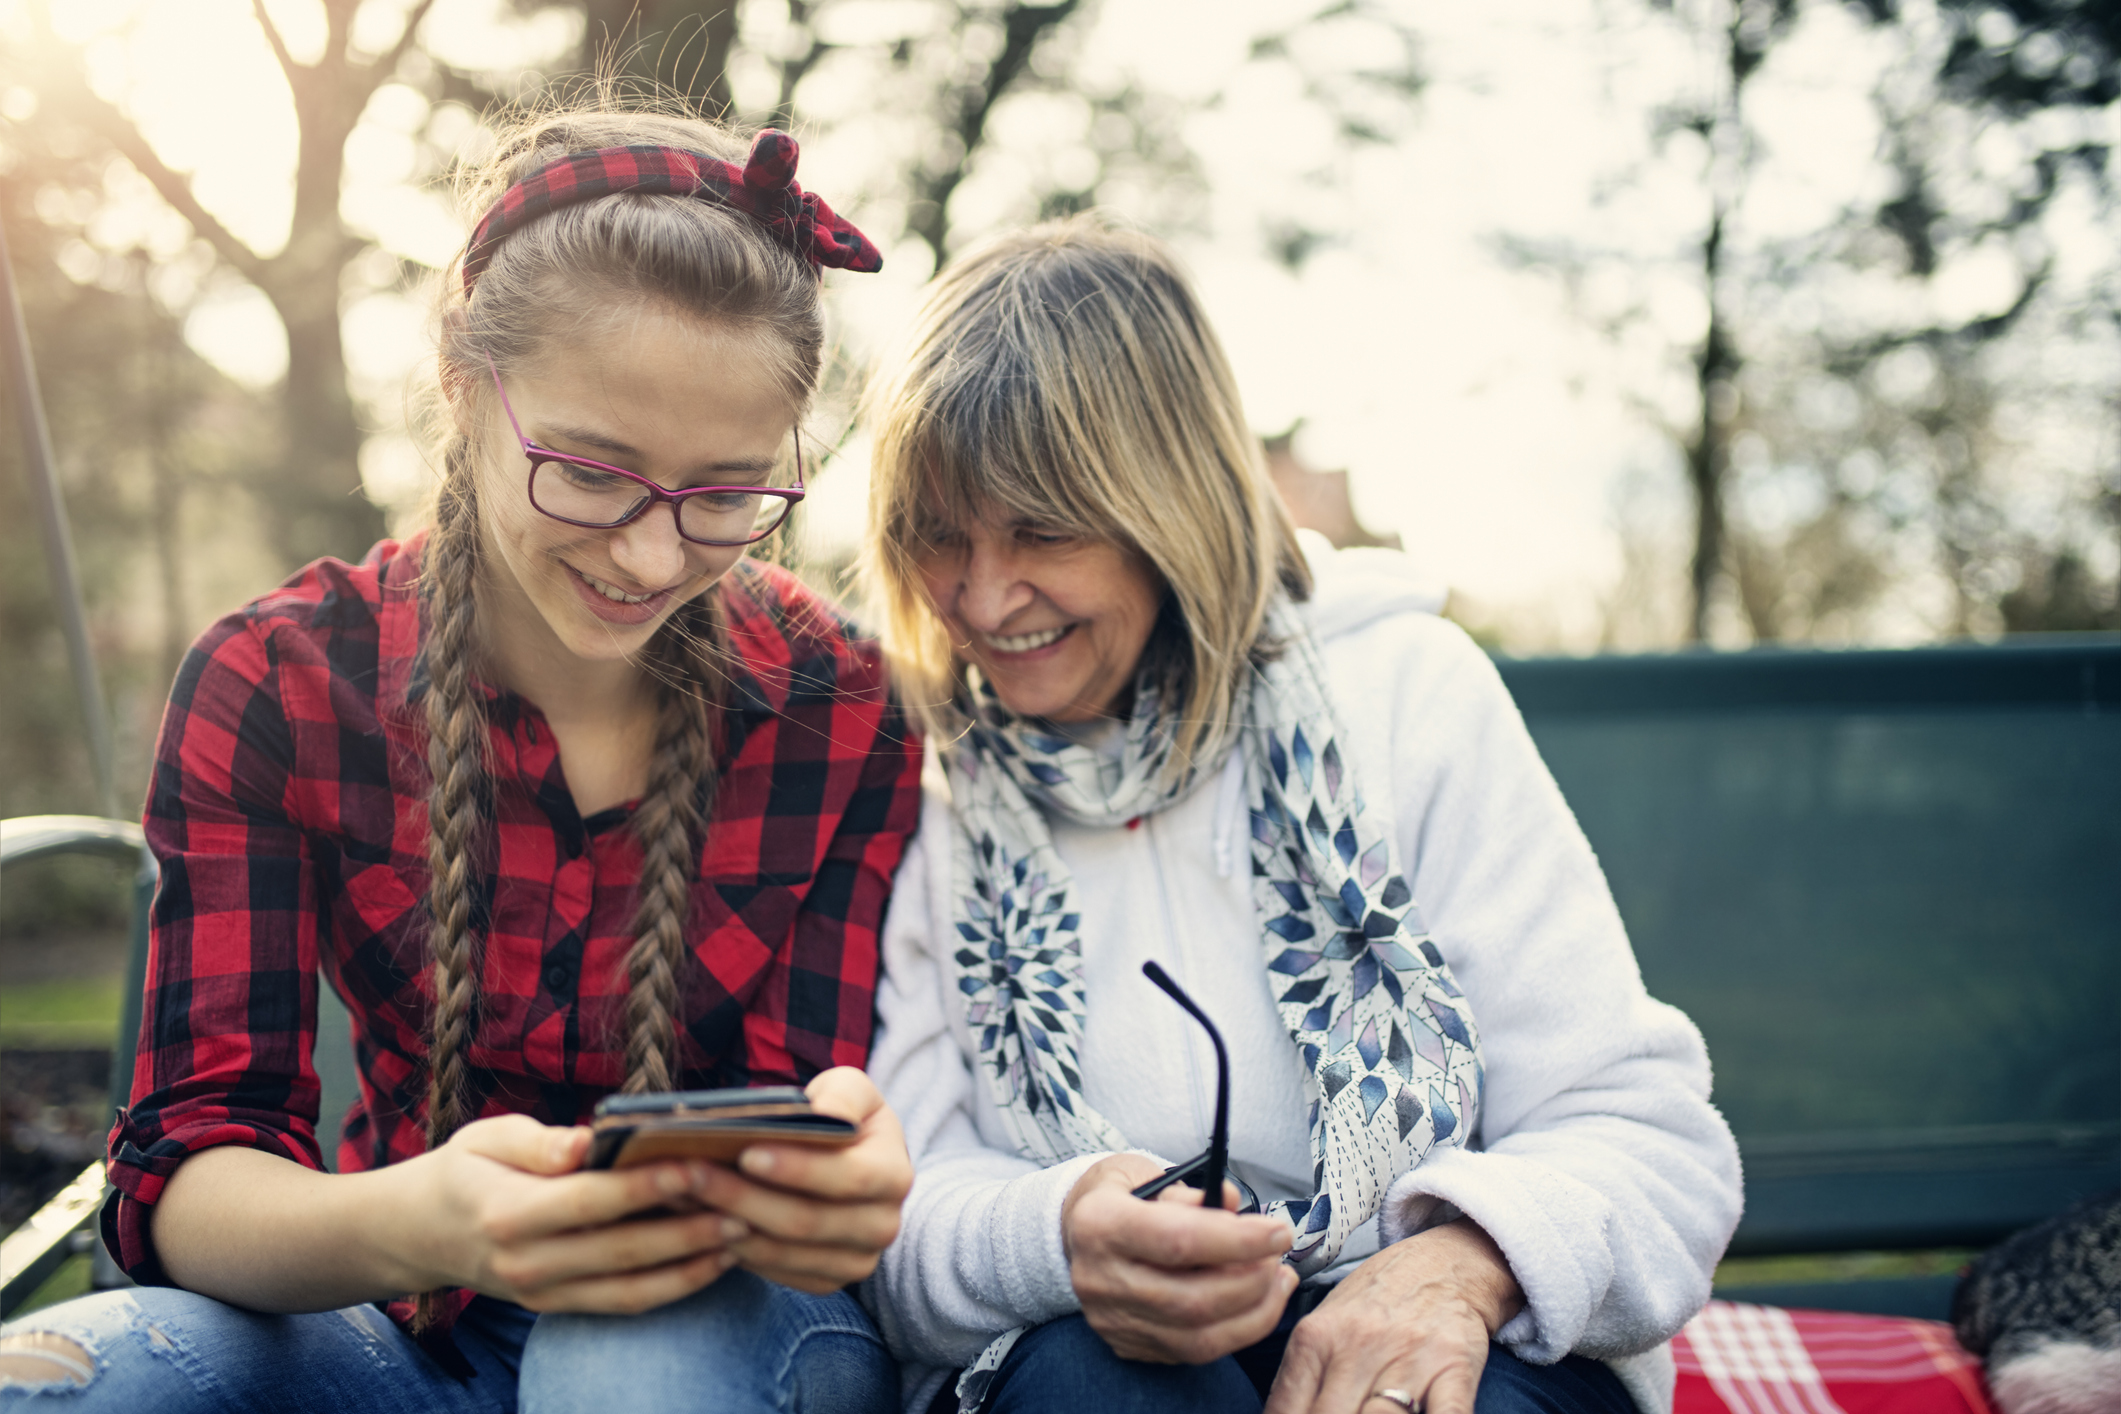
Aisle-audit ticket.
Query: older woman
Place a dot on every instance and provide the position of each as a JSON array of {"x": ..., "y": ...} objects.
[{"x": 1483, "y": 1157}]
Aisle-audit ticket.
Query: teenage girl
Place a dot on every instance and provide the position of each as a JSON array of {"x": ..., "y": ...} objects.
[{"x": 564, "y": 796}]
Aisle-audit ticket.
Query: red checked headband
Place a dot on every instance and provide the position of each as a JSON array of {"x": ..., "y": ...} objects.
[{"x": 764, "y": 189}]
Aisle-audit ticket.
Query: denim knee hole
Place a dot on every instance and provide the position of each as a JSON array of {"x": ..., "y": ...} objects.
[{"x": 38, "y": 1362}]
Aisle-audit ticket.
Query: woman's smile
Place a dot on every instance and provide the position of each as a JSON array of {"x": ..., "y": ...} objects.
[
  {"x": 1055, "y": 623},
  {"x": 1022, "y": 645}
]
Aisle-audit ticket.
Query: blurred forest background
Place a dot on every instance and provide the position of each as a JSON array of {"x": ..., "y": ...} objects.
[{"x": 1816, "y": 304}]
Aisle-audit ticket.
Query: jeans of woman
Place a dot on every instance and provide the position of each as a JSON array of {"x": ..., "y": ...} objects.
[
  {"x": 1064, "y": 1367},
  {"x": 742, "y": 1346}
]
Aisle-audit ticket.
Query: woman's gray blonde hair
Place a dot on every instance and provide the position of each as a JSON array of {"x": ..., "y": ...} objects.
[{"x": 1066, "y": 376}]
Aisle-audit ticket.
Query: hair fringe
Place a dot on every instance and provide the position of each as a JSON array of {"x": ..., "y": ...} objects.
[{"x": 1067, "y": 375}]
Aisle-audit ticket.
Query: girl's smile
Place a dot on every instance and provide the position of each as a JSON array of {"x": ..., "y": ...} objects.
[
  {"x": 680, "y": 402},
  {"x": 614, "y": 605}
]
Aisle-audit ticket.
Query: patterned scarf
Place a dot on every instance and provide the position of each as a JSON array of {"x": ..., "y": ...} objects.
[{"x": 1365, "y": 995}]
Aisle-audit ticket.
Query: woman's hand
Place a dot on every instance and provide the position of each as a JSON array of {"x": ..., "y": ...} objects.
[
  {"x": 1168, "y": 1281},
  {"x": 1415, "y": 1317},
  {"x": 512, "y": 1218},
  {"x": 819, "y": 1218}
]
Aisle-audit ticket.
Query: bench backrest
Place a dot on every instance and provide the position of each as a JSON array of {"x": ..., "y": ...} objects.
[{"x": 1887, "y": 886}]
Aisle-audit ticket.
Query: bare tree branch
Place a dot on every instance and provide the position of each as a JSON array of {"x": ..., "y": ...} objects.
[
  {"x": 338, "y": 30},
  {"x": 379, "y": 73},
  {"x": 1024, "y": 24},
  {"x": 174, "y": 186},
  {"x": 288, "y": 66}
]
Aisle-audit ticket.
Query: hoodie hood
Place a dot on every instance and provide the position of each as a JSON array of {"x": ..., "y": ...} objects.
[{"x": 1352, "y": 589}]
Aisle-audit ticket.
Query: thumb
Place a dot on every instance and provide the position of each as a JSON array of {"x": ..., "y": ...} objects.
[
  {"x": 844, "y": 1093},
  {"x": 522, "y": 1143},
  {"x": 1186, "y": 1193},
  {"x": 1127, "y": 1170}
]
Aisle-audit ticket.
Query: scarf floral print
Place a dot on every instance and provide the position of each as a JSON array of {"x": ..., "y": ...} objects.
[{"x": 1365, "y": 995}]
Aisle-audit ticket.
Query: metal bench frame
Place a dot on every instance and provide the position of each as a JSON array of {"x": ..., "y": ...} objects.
[{"x": 32, "y": 1252}]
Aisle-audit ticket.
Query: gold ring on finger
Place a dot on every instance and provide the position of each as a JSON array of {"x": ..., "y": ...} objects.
[{"x": 1399, "y": 1397}]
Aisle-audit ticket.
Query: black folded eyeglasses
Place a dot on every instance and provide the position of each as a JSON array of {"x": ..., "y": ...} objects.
[{"x": 1207, "y": 1171}]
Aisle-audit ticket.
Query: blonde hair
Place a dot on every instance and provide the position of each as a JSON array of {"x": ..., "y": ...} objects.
[
  {"x": 1065, "y": 375},
  {"x": 584, "y": 267}
]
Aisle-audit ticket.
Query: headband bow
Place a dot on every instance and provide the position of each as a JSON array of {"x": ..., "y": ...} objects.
[{"x": 764, "y": 188}]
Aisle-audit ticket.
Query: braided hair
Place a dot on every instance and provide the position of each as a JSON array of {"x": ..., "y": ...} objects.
[{"x": 595, "y": 261}]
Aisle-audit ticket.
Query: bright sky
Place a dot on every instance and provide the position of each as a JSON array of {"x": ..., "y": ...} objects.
[{"x": 1478, "y": 416}]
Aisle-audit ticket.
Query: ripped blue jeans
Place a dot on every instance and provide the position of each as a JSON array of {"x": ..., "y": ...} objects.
[{"x": 744, "y": 1345}]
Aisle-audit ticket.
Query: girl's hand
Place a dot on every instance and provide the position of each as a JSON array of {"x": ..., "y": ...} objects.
[
  {"x": 1167, "y": 1281},
  {"x": 512, "y": 1218},
  {"x": 1415, "y": 1317},
  {"x": 819, "y": 1218}
]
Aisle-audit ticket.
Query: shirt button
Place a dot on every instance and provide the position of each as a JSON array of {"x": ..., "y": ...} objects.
[{"x": 556, "y": 977}]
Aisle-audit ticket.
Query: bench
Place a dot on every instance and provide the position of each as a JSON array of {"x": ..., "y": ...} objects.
[
  {"x": 65, "y": 1225},
  {"x": 1887, "y": 885}
]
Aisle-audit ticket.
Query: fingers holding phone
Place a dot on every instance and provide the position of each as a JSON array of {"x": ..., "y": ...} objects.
[
  {"x": 820, "y": 1215},
  {"x": 874, "y": 1167},
  {"x": 520, "y": 1221}
]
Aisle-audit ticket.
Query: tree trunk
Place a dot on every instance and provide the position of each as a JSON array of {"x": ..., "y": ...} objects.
[
  {"x": 313, "y": 499},
  {"x": 1708, "y": 455},
  {"x": 166, "y": 481},
  {"x": 314, "y": 502}
]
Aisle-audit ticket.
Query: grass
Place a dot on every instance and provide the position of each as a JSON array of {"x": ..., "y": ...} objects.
[
  {"x": 69, "y": 1281},
  {"x": 1841, "y": 1266},
  {"x": 60, "y": 1014}
]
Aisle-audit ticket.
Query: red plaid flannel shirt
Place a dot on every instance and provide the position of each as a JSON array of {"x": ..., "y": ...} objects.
[{"x": 289, "y": 810}]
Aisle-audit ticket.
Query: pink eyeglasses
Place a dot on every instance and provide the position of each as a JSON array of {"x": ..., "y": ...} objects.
[{"x": 600, "y": 497}]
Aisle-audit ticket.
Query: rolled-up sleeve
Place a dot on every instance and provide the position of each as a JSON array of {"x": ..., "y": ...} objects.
[{"x": 229, "y": 1012}]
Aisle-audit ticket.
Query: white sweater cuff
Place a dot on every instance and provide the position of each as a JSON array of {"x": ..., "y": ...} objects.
[
  {"x": 1032, "y": 1259},
  {"x": 1551, "y": 1229}
]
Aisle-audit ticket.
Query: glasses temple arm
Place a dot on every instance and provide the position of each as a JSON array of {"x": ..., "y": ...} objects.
[
  {"x": 495, "y": 369},
  {"x": 1219, "y": 1137}
]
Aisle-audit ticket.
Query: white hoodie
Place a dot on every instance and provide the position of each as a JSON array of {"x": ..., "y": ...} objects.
[{"x": 1599, "y": 1168}]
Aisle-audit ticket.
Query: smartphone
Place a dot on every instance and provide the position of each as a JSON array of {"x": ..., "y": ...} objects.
[{"x": 706, "y": 1124}]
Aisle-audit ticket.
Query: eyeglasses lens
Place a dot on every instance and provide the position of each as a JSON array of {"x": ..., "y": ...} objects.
[{"x": 586, "y": 496}]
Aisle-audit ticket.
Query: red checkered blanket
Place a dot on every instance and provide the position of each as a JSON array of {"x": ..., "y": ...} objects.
[{"x": 1740, "y": 1359}]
